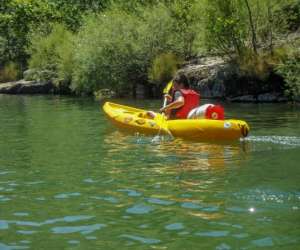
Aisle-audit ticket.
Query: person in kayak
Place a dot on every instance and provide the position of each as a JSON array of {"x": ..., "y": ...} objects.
[{"x": 183, "y": 99}]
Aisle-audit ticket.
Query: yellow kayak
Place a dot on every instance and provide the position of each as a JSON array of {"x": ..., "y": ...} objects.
[{"x": 138, "y": 120}]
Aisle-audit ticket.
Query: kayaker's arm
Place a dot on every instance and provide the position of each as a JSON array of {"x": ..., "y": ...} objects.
[
  {"x": 174, "y": 105},
  {"x": 169, "y": 98}
]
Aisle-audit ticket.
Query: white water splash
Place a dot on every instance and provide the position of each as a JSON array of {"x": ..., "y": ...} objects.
[{"x": 291, "y": 141}]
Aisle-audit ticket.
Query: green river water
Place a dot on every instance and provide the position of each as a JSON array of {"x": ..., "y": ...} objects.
[{"x": 70, "y": 180}]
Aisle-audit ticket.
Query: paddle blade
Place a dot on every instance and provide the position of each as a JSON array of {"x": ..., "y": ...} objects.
[{"x": 168, "y": 88}]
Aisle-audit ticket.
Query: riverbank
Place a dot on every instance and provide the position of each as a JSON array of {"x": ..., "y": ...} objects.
[
  {"x": 123, "y": 48},
  {"x": 213, "y": 77},
  {"x": 26, "y": 87}
]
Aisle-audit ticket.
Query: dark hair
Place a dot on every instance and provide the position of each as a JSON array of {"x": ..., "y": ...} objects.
[{"x": 181, "y": 79}]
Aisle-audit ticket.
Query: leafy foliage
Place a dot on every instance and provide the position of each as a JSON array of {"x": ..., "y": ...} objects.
[
  {"x": 10, "y": 72},
  {"x": 117, "y": 44},
  {"x": 289, "y": 68},
  {"x": 52, "y": 55},
  {"x": 118, "y": 54},
  {"x": 225, "y": 30},
  {"x": 164, "y": 68}
]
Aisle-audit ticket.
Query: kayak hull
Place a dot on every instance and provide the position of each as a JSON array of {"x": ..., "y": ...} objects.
[{"x": 138, "y": 121}]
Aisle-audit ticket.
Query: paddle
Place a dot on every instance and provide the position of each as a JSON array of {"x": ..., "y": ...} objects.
[
  {"x": 163, "y": 122},
  {"x": 161, "y": 118},
  {"x": 166, "y": 91}
]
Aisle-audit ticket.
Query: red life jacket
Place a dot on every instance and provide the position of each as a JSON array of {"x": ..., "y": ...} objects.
[{"x": 191, "y": 101}]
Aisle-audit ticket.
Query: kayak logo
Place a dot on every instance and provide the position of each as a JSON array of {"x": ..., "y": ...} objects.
[
  {"x": 140, "y": 121},
  {"x": 128, "y": 120},
  {"x": 214, "y": 115},
  {"x": 227, "y": 125}
]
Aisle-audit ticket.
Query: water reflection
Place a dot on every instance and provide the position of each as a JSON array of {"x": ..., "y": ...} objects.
[{"x": 176, "y": 154}]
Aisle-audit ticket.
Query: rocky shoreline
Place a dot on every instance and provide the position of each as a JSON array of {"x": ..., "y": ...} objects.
[
  {"x": 26, "y": 87},
  {"x": 213, "y": 77}
]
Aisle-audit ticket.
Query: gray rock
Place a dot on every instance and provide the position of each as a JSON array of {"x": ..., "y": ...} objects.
[
  {"x": 283, "y": 99},
  {"x": 26, "y": 87},
  {"x": 207, "y": 76},
  {"x": 245, "y": 98},
  {"x": 30, "y": 74},
  {"x": 205, "y": 68},
  {"x": 218, "y": 90},
  {"x": 104, "y": 94},
  {"x": 268, "y": 97},
  {"x": 203, "y": 87},
  {"x": 214, "y": 77}
]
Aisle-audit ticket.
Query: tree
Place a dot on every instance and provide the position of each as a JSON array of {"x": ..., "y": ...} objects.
[
  {"x": 252, "y": 27},
  {"x": 226, "y": 30}
]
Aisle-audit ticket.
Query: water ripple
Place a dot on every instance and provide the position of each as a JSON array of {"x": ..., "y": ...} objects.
[
  {"x": 140, "y": 239},
  {"x": 10, "y": 247},
  {"x": 66, "y": 195},
  {"x": 139, "y": 209},
  {"x": 213, "y": 234},
  {"x": 75, "y": 229},
  {"x": 174, "y": 226},
  {"x": 264, "y": 242},
  {"x": 106, "y": 198},
  {"x": 130, "y": 192},
  {"x": 159, "y": 201}
]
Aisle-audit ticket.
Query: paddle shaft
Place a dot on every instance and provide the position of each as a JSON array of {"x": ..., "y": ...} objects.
[{"x": 165, "y": 102}]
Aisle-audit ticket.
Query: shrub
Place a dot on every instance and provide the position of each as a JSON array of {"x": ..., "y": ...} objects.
[
  {"x": 258, "y": 66},
  {"x": 290, "y": 14},
  {"x": 105, "y": 52},
  {"x": 51, "y": 55},
  {"x": 112, "y": 53},
  {"x": 163, "y": 68},
  {"x": 3, "y": 47},
  {"x": 10, "y": 72},
  {"x": 289, "y": 69}
]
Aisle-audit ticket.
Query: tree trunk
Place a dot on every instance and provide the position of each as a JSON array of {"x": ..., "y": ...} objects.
[
  {"x": 253, "y": 31},
  {"x": 270, "y": 19}
]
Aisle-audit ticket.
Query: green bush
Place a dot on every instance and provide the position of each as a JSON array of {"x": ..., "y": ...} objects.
[
  {"x": 164, "y": 68},
  {"x": 110, "y": 52},
  {"x": 290, "y": 14},
  {"x": 10, "y": 72},
  {"x": 258, "y": 66},
  {"x": 105, "y": 52},
  {"x": 289, "y": 69},
  {"x": 3, "y": 54},
  {"x": 52, "y": 55}
]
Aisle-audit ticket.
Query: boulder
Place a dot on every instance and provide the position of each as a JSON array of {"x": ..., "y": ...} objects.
[
  {"x": 207, "y": 76},
  {"x": 262, "y": 98},
  {"x": 214, "y": 77},
  {"x": 244, "y": 98},
  {"x": 104, "y": 94},
  {"x": 268, "y": 97},
  {"x": 26, "y": 87}
]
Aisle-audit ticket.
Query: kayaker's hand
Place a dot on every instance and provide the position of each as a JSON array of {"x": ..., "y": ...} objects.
[
  {"x": 162, "y": 110},
  {"x": 169, "y": 98}
]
